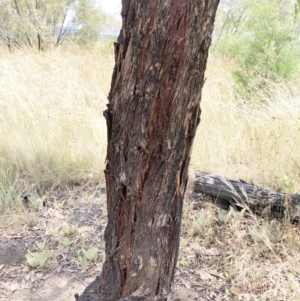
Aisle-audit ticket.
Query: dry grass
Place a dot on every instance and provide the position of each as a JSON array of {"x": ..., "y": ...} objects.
[
  {"x": 52, "y": 129},
  {"x": 242, "y": 258},
  {"x": 53, "y": 132},
  {"x": 253, "y": 141}
]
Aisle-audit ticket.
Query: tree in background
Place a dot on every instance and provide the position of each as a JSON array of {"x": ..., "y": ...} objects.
[
  {"x": 262, "y": 39},
  {"x": 43, "y": 24},
  {"x": 296, "y": 9},
  {"x": 152, "y": 116}
]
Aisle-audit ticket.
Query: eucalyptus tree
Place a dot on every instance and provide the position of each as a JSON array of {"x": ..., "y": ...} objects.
[
  {"x": 43, "y": 24},
  {"x": 152, "y": 116}
]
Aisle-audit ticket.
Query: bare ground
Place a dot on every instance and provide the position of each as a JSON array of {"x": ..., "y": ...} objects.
[{"x": 218, "y": 261}]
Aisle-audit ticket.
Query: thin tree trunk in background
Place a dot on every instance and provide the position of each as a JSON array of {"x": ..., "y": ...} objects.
[{"x": 152, "y": 116}]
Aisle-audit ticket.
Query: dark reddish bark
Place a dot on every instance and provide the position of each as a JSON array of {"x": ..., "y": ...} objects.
[{"x": 152, "y": 117}]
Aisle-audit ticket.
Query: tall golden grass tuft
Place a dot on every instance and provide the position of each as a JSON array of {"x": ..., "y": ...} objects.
[
  {"x": 242, "y": 139},
  {"x": 51, "y": 105}
]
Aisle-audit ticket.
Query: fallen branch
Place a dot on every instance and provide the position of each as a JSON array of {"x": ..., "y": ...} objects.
[{"x": 240, "y": 194}]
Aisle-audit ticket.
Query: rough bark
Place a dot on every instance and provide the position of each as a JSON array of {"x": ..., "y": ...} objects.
[
  {"x": 238, "y": 193},
  {"x": 152, "y": 116}
]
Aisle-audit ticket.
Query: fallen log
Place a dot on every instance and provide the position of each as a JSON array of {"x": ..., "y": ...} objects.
[{"x": 240, "y": 194}]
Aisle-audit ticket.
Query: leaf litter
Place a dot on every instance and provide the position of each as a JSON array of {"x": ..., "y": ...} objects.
[{"x": 218, "y": 260}]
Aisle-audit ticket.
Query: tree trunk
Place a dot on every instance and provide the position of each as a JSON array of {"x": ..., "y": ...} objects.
[
  {"x": 152, "y": 116},
  {"x": 238, "y": 193}
]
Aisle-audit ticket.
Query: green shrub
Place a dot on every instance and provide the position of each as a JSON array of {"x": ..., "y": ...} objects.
[{"x": 261, "y": 39}]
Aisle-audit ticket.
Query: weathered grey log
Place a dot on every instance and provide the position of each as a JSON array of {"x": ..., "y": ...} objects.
[{"x": 240, "y": 194}]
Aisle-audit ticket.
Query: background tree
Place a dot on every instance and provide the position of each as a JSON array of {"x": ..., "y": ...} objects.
[
  {"x": 261, "y": 37},
  {"x": 152, "y": 116},
  {"x": 43, "y": 24},
  {"x": 296, "y": 8}
]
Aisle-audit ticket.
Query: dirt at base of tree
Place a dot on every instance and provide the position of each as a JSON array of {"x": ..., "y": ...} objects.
[
  {"x": 84, "y": 209},
  {"x": 59, "y": 288},
  {"x": 214, "y": 262}
]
